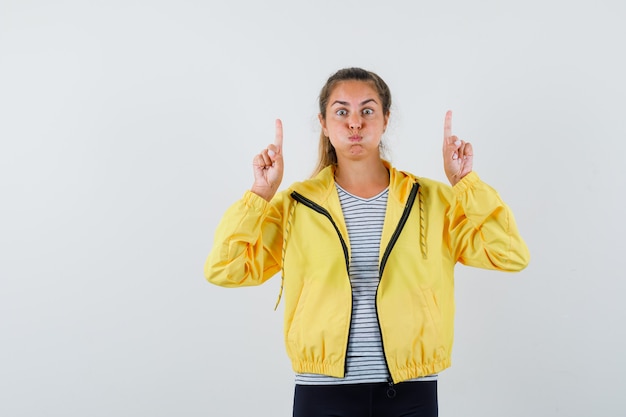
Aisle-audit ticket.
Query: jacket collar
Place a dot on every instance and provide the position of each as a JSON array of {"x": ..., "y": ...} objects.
[{"x": 321, "y": 187}]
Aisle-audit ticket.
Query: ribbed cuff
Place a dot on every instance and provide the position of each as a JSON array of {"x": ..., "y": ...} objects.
[{"x": 466, "y": 183}]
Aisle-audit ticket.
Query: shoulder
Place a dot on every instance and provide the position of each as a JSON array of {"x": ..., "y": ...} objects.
[
  {"x": 432, "y": 184},
  {"x": 432, "y": 193},
  {"x": 403, "y": 177},
  {"x": 316, "y": 187}
]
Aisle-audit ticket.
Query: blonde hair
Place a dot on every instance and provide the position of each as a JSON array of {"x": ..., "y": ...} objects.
[{"x": 326, "y": 152}]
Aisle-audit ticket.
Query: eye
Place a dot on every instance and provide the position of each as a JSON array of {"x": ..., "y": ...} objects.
[
  {"x": 341, "y": 112},
  {"x": 368, "y": 111}
]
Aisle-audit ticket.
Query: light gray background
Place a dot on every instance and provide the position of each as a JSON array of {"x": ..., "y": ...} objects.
[{"x": 127, "y": 128}]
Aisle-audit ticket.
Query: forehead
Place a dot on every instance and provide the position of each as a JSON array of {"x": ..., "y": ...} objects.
[{"x": 353, "y": 91}]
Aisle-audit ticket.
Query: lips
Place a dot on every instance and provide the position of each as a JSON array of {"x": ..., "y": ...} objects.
[{"x": 355, "y": 138}]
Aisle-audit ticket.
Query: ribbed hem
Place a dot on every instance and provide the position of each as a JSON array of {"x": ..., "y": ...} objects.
[
  {"x": 404, "y": 374},
  {"x": 398, "y": 375},
  {"x": 336, "y": 371}
]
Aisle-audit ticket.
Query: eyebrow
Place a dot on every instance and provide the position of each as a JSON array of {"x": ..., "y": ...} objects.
[{"x": 345, "y": 103}]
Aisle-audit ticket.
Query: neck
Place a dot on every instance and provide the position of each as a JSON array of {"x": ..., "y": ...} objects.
[{"x": 362, "y": 178}]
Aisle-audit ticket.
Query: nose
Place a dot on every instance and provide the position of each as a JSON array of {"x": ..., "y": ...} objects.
[{"x": 355, "y": 122}]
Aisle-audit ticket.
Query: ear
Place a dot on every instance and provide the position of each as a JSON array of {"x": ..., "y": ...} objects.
[
  {"x": 386, "y": 121},
  {"x": 323, "y": 124}
]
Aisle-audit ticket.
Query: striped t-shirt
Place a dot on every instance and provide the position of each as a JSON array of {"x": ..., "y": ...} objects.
[{"x": 365, "y": 361}]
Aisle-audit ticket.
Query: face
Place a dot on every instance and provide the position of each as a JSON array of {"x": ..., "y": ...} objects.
[{"x": 354, "y": 120}]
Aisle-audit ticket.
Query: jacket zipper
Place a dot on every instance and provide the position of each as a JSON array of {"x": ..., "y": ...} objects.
[
  {"x": 391, "y": 392},
  {"x": 316, "y": 207},
  {"x": 401, "y": 223}
]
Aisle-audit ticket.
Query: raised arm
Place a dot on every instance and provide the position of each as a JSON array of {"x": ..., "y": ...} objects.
[
  {"x": 248, "y": 240},
  {"x": 483, "y": 231}
]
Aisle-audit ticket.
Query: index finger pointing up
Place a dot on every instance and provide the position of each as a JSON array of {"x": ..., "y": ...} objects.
[
  {"x": 447, "y": 127},
  {"x": 278, "y": 141}
]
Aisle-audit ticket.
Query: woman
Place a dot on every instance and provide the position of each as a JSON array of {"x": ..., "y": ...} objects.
[{"x": 367, "y": 256}]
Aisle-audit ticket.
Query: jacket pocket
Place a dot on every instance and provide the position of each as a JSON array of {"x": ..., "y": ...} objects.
[
  {"x": 294, "y": 332},
  {"x": 432, "y": 308}
]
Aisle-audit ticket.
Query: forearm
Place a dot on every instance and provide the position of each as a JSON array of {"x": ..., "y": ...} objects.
[
  {"x": 485, "y": 231},
  {"x": 246, "y": 245}
]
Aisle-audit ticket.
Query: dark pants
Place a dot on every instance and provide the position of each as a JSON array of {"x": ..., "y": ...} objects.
[{"x": 407, "y": 399}]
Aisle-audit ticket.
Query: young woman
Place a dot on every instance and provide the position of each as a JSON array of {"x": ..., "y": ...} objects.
[{"x": 367, "y": 256}]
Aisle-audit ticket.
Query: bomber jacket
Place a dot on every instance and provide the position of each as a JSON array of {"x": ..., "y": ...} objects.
[{"x": 429, "y": 227}]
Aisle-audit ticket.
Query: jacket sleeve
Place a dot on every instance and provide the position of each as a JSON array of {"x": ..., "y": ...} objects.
[
  {"x": 482, "y": 230},
  {"x": 248, "y": 243}
]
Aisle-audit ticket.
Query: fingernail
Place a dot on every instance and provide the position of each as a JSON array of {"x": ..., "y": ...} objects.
[
  {"x": 455, "y": 156},
  {"x": 271, "y": 153},
  {"x": 457, "y": 142}
]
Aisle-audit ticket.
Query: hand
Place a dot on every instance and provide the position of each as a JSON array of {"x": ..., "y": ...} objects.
[
  {"x": 268, "y": 166},
  {"x": 458, "y": 155}
]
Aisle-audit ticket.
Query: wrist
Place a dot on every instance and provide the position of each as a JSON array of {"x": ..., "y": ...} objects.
[{"x": 262, "y": 192}]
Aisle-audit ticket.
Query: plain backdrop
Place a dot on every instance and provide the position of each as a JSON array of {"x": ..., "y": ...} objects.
[{"x": 128, "y": 127}]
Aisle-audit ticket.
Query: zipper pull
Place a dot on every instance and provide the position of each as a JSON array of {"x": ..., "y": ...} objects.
[{"x": 391, "y": 391}]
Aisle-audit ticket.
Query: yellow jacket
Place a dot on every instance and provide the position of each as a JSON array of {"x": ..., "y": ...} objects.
[{"x": 428, "y": 228}]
